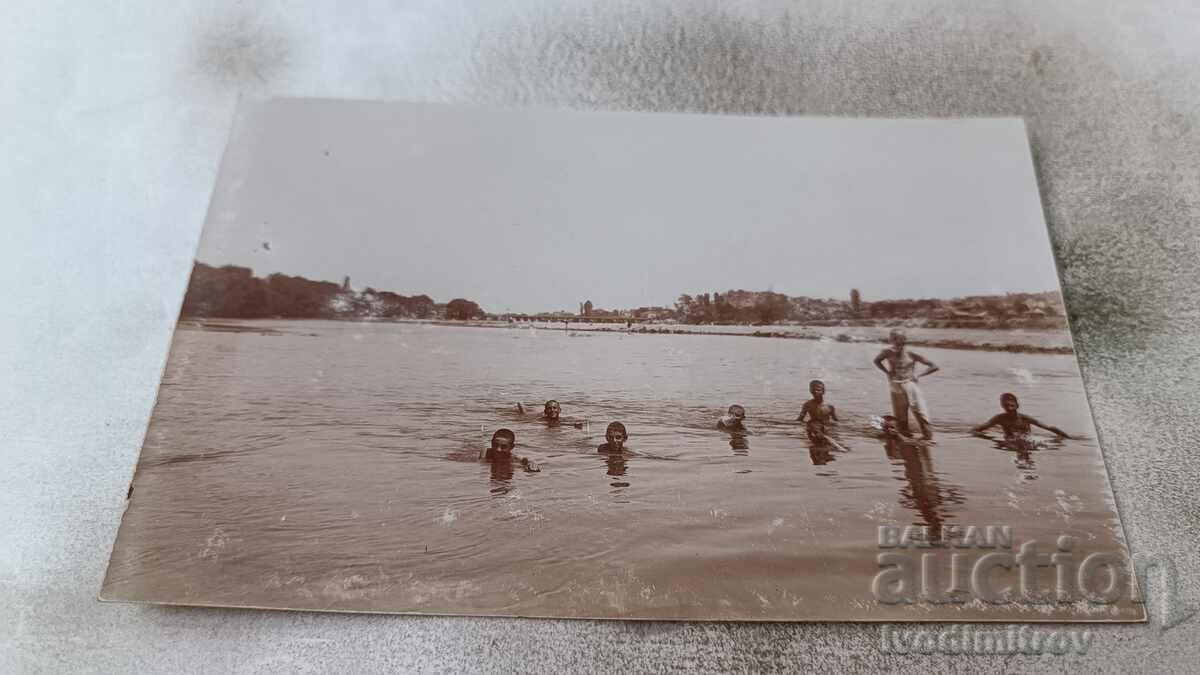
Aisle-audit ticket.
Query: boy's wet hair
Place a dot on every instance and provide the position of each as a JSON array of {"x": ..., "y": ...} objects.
[
  {"x": 504, "y": 433},
  {"x": 737, "y": 406},
  {"x": 1006, "y": 396},
  {"x": 815, "y": 383},
  {"x": 897, "y": 332},
  {"x": 547, "y": 405},
  {"x": 616, "y": 426}
]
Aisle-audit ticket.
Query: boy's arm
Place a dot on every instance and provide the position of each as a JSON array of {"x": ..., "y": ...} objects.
[
  {"x": 803, "y": 412},
  {"x": 571, "y": 421},
  {"x": 1055, "y": 430},
  {"x": 883, "y": 354},
  {"x": 987, "y": 425},
  {"x": 833, "y": 414},
  {"x": 921, "y": 359}
]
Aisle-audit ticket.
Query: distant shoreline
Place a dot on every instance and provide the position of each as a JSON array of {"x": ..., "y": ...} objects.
[
  {"x": 785, "y": 335},
  {"x": 225, "y": 325}
]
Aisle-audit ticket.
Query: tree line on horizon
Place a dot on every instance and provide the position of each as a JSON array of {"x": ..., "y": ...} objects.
[
  {"x": 231, "y": 291},
  {"x": 234, "y": 292},
  {"x": 767, "y": 307},
  {"x": 734, "y": 307}
]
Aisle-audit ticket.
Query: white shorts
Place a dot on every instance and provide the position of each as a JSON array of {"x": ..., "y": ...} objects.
[{"x": 907, "y": 396}]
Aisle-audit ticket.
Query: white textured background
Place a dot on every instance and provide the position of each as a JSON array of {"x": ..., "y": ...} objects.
[{"x": 112, "y": 121}]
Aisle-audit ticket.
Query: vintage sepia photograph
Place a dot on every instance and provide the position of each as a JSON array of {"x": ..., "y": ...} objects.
[{"x": 440, "y": 359}]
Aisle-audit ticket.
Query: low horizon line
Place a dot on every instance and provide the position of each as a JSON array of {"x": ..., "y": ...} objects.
[{"x": 255, "y": 272}]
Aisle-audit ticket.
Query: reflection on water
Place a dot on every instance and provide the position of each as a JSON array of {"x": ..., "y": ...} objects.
[
  {"x": 335, "y": 465},
  {"x": 501, "y": 471},
  {"x": 820, "y": 454},
  {"x": 932, "y": 499},
  {"x": 740, "y": 443},
  {"x": 1024, "y": 452},
  {"x": 617, "y": 465}
]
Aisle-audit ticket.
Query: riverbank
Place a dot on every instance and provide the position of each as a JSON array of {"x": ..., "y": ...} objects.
[{"x": 794, "y": 333}]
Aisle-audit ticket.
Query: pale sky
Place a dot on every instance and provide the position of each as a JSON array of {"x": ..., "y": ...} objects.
[{"x": 538, "y": 211}]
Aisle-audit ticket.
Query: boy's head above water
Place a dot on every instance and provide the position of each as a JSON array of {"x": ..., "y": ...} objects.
[
  {"x": 890, "y": 426},
  {"x": 615, "y": 434},
  {"x": 737, "y": 412},
  {"x": 897, "y": 337},
  {"x": 503, "y": 440},
  {"x": 816, "y": 388},
  {"x": 1009, "y": 402},
  {"x": 551, "y": 410}
]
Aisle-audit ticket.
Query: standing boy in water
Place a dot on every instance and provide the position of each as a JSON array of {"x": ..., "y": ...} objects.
[
  {"x": 733, "y": 420},
  {"x": 615, "y": 437},
  {"x": 818, "y": 413},
  {"x": 1015, "y": 425},
  {"x": 900, "y": 366},
  {"x": 501, "y": 450}
]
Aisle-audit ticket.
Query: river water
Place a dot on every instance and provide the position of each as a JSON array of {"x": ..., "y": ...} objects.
[
  {"x": 330, "y": 465},
  {"x": 1031, "y": 338}
]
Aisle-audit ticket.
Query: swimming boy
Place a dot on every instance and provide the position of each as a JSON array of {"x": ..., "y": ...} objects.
[
  {"x": 818, "y": 413},
  {"x": 501, "y": 450},
  {"x": 1015, "y": 425},
  {"x": 893, "y": 440},
  {"x": 733, "y": 420},
  {"x": 900, "y": 366},
  {"x": 552, "y": 414},
  {"x": 887, "y": 424},
  {"x": 615, "y": 437}
]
